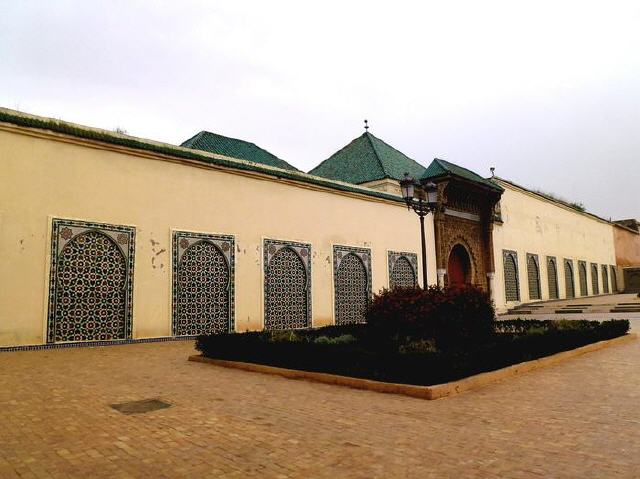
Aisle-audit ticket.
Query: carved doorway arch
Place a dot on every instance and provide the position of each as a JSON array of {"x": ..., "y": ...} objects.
[{"x": 459, "y": 266}]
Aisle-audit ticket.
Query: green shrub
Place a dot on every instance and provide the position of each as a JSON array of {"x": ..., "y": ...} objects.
[
  {"x": 348, "y": 350},
  {"x": 453, "y": 317},
  {"x": 342, "y": 339}
]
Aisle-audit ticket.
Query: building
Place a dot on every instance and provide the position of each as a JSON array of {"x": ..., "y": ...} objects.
[
  {"x": 108, "y": 237},
  {"x": 627, "y": 239}
]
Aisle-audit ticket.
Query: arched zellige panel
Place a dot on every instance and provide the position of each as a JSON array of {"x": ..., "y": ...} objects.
[
  {"x": 605, "y": 279},
  {"x": 569, "y": 285},
  {"x": 533, "y": 276},
  {"x": 582, "y": 273},
  {"x": 287, "y": 285},
  {"x": 402, "y": 269},
  {"x": 352, "y": 283},
  {"x": 511, "y": 286},
  {"x": 614, "y": 279},
  {"x": 90, "y": 282},
  {"x": 552, "y": 278},
  {"x": 202, "y": 300},
  {"x": 594, "y": 279}
]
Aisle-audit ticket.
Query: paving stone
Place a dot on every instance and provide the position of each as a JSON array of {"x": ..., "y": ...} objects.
[{"x": 576, "y": 419}]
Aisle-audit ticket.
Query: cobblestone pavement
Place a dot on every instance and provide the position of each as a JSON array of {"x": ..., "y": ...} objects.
[{"x": 579, "y": 419}]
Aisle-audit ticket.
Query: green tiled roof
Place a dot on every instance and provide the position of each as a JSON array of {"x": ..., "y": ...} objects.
[
  {"x": 439, "y": 168},
  {"x": 243, "y": 150},
  {"x": 365, "y": 159}
]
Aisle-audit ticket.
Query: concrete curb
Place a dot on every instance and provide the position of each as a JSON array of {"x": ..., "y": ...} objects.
[{"x": 423, "y": 392}]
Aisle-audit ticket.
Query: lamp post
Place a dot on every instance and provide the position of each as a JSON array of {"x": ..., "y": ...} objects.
[{"x": 421, "y": 197}]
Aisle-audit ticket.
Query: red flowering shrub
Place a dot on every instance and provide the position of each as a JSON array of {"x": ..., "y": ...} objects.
[{"x": 453, "y": 316}]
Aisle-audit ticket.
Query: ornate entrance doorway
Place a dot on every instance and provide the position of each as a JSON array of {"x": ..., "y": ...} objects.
[{"x": 459, "y": 266}]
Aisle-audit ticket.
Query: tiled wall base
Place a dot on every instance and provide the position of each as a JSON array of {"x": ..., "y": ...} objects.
[{"x": 92, "y": 344}]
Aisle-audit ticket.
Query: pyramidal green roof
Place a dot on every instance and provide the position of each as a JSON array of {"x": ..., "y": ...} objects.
[
  {"x": 365, "y": 159},
  {"x": 439, "y": 168},
  {"x": 234, "y": 148}
]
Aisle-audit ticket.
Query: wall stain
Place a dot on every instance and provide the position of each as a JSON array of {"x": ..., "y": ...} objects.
[{"x": 155, "y": 243}]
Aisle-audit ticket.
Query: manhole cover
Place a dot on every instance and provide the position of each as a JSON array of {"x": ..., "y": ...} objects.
[{"x": 140, "y": 407}]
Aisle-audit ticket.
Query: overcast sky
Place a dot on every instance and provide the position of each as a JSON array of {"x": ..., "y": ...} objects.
[{"x": 547, "y": 92}]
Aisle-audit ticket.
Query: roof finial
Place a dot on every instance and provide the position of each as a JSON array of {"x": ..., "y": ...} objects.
[
  {"x": 366, "y": 125},
  {"x": 493, "y": 171}
]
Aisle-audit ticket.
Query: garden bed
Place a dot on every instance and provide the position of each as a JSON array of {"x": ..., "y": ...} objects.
[
  {"x": 423, "y": 392},
  {"x": 359, "y": 351}
]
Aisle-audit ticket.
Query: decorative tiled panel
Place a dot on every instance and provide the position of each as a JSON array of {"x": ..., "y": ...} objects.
[
  {"x": 203, "y": 283},
  {"x": 403, "y": 269},
  {"x": 90, "y": 282},
  {"x": 511, "y": 286},
  {"x": 352, "y": 283},
  {"x": 533, "y": 276},
  {"x": 605, "y": 279},
  {"x": 582, "y": 274},
  {"x": 594, "y": 279},
  {"x": 552, "y": 277},
  {"x": 569, "y": 285},
  {"x": 287, "y": 284}
]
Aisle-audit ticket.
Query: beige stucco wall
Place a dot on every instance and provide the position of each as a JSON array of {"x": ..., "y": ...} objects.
[
  {"x": 47, "y": 175},
  {"x": 538, "y": 226},
  {"x": 387, "y": 185}
]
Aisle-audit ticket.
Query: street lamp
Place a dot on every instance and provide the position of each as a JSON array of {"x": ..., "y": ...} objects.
[{"x": 421, "y": 197}]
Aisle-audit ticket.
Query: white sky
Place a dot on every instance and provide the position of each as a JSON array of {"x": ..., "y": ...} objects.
[{"x": 547, "y": 92}]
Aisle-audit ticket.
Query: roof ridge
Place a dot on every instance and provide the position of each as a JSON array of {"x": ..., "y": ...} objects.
[
  {"x": 440, "y": 161},
  {"x": 376, "y": 152},
  {"x": 335, "y": 153},
  {"x": 193, "y": 138},
  {"x": 236, "y": 139}
]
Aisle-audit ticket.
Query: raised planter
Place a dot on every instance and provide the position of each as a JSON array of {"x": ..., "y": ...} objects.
[{"x": 424, "y": 392}]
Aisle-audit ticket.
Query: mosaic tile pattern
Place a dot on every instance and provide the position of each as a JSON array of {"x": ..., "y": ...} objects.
[
  {"x": 552, "y": 277},
  {"x": 403, "y": 269},
  {"x": 287, "y": 284},
  {"x": 203, "y": 283},
  {"x": 352, "y": 283},
  {"x": 533, "y": 276},
  {"x": 511, "y": 285},
  {"x": 90, "y": 282},
  {"x": 569, "y": 285}
]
